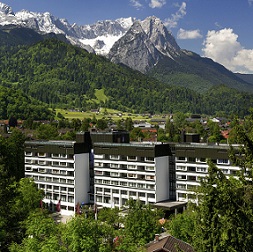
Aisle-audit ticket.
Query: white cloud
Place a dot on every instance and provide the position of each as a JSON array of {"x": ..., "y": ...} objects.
[
  {"x": 157, "y": 3},
  {"x": 222, "y": 46},
  {"x": 250, "y": 2},
  {"x": 190, "y": 34},
  {"x": 172, "y": 22},
  {"x": 136, "y": 4}
]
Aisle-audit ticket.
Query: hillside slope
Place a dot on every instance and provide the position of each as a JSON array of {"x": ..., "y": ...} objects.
[{"x": 66, "y": 76}]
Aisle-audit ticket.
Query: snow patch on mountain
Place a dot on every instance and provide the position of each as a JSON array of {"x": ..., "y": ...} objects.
[{"x": 108, "y": 41}]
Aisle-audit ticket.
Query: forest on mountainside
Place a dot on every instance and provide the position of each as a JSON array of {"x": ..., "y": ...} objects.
[{"x": 64, "y": 76}]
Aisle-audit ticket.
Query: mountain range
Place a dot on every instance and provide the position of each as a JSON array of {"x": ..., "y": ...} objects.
[
  {"x": 146, "y": 46},
  {"x": 143, "y": 45}
]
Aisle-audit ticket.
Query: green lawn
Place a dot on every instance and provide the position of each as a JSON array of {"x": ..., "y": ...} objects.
[{"x": 104, "y": 113}]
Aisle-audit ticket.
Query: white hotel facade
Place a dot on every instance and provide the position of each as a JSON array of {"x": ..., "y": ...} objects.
[
  {"x": 106, "y": 169},
  {"x": 61, "y": 169},
  {"x": 125, "y": 170},
  {"x": 191, "y": 165}
]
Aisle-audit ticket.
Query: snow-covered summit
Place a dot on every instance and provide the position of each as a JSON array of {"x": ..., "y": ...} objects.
[
  {"x": 5, "y": 9},
  {"x": 100, "y": 36}
]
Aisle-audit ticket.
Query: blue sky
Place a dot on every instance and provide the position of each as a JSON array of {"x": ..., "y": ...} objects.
[{"x": 218, "y": 29}]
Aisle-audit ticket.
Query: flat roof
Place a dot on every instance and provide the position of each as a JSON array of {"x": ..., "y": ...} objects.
[{"x": 51, "y": 142}]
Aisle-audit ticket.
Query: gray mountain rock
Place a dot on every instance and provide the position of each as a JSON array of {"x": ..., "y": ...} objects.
[
  {"x": 135, "y": 50},
  {"x": 145, "y": 43}
]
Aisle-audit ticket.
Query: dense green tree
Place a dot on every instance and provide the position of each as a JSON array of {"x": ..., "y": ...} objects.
[
  {"x": 129, "y": 125},
  {"x": 86, "y": 234},
  {"x": 141, "y": 222},
  {"x": 42, "y": 234},
  {"x": 136, "y": 134},
  {"x": 101, "y": 124},
  {"x": 85, "y": 124},
  {"x": 46, "y": 132}
]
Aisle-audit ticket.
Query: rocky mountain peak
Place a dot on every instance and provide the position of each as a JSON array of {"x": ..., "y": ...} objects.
[
  {"x": 160, "y": 36},
  {"x": 135, "y": 49},
  {"x": 145, "y": 43}
]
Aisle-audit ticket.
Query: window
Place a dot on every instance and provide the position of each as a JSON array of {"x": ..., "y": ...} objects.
[
  {"x": 107, "y": 182},
  {"x": 115, "y": 157},
  {"x": 99, "y": 190},
  {"x": 122, "y": 183},
  {"x": 191, "y": 196},
  {"x": 28, "y": 161},
  {"x": 191, "y": 169},
  {"x": 132, "y": 167},
  {"x": 107, "y": 190},
  {"x": 201, "y": 169},
  {"x": 70, "y": 173},
  {"x": 116, "y": 200},
  {"x": 53, "y": 155},
  {"x": 201, "y": 160},
  {"x": 191, "y": 159},
  {"x": 62, "y": 180},
  {"x": 41, "y": 154},
  {"x": 56, "y": 180},
  {"x": 42, "y": 162},
  {"x": 151, "y": 195},
  {"x": 150, "y": 187},
  {"x": 141, "y": 194},
  {"x": 191, "y": 187},
  {"x": 63, "y": 189},
  {"x": 114, "y": 174},
  {"x": 181, "y": 168},
  {"x": 150, "y": 168},
  {"x": 133, "y": 158},
  {"x": 149, "y": 159},
  {"x": 114, "y": 182},
  {"x": 28, "y": 168},
  {"x": 181, "y": 186},
  {"x": 181, "y": 195},
  {"x": 141, "y": 185},
  {"x": 222, "y": 161},
  {"x": 192, "y": 178},
  {"x": 130, "y": 175},
  {"x": 107, "y": 200},
  {"x": 114, "y": 165},
  {"x": 132, "y": 184},
  {"x": 63, "y": 197},
  {"x": 225, "y": 171},
  {"x": 98, "y": 181},
  {"x": 98, "y": 172},
  {"x": 70, "y": 181},
  {"x": 98, "y": 198},
  {"x": 63, "y": 155},
  {"x": 181, "y": 159},
  {"x": 124, "y": 192},
  {"x": 28, "y": 153},
  {"x": 132, "y": 193},
  {"x": 150, "y": 177},
  {"x": 181, "y": 177}
]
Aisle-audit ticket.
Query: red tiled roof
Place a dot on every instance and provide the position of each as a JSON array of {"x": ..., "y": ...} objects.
[{"x": 170, "y": 244}]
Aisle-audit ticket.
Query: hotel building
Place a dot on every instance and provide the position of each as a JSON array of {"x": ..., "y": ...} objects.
[{"x": 61, "y": 169}]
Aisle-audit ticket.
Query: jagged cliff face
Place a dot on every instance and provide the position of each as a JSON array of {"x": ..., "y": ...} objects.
[
  {"x": 135, "y": 50},
  {"x": 145, "y": 43}
]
